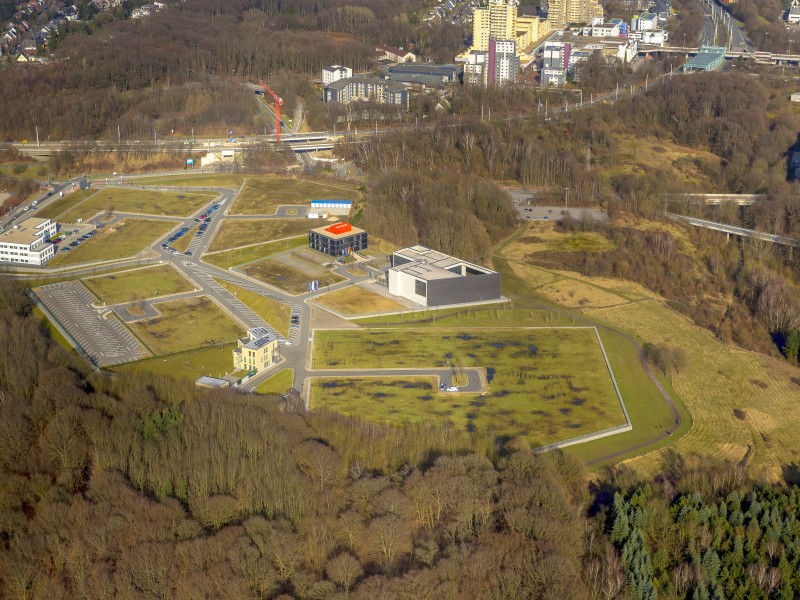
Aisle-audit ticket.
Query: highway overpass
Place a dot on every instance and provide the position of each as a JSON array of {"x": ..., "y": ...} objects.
[{"x": 740, "y": 231}]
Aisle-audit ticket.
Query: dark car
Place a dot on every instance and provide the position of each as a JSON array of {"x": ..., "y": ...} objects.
[{"x": 188, "y": 253}]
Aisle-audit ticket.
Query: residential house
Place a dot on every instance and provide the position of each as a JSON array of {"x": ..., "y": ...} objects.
[{"x": 395, "y": 55}]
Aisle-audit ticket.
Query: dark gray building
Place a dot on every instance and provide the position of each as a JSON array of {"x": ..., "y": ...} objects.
[
  {"x": 431, "y": 278},
  {"x": 339, "y": 239},
  {"x": 428, "y": 75}
]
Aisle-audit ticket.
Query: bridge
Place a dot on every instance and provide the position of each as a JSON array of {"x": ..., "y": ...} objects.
[
  {"x": 762, "y": 58},
  {"x": 740, "y": 231},
  {"x": 717, "y": 199}
]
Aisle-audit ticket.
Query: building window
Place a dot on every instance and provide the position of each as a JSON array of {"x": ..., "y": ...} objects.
[{"x": 420, "y": 288}]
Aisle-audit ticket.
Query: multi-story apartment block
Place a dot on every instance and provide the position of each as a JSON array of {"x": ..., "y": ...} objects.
[{"x": 335, "y": 73}]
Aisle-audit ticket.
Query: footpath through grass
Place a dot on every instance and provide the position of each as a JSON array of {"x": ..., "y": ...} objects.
[
  {"x": 545, "y": 384},
  {"x": 148, "y": 282},
  {"x": 237, "y": 256},
  {"x": 124, "y": 240},
  {"x": 272, "y": 311},
  {"x": 186, "y": 325}
]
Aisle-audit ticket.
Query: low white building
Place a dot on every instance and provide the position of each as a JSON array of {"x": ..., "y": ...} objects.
[
  {"x": 28, "y": 242},
  {"x": 793, "y": 14},
  {"x": 654, "y": 37},
  {"x": 335, "y": 73}
]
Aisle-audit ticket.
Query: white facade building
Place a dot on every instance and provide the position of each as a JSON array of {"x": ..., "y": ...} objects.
[
  {"x": 27, "y": 243},
  {"x": 475, "y": 70},
  {"x": 503, "y": 62},
  {"x": 335, "y": 73}
]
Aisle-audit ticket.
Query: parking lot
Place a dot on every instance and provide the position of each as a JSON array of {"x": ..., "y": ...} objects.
[{"x": 105, "y": 340}]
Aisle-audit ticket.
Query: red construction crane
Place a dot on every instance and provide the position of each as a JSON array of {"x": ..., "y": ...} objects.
[{"x": 278, "y": 104}]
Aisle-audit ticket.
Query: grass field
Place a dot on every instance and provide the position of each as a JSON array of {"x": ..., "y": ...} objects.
[
  {"x": 33, "y": 170},
  {"x": 200, "y": 180},
  {"x": 355, "y": 300},
  {"x": 278, "y": 384},
  {"x": 186, "y": 325},
  {"x": 232, "y": 234},
  {"x": 238, "y": 256},
  {"x": 272, "y": 311},
  {"x": 543, "y": 236},
  {"x": 286, "y": 278},
  {"x": 62, "y": 205},
  {"x": 718, "y": 380},
  {"x": 634, "y": 154},
  {"x": 51, "y": 329},
  {"x": 121, "y": 241},
  {"x": 215, "y": 362},
  {"x": 149, "y": 282},
  {"x": 152, "y": 202},
  {"x": 545, "y": 384},
  {"x": 263, "y": 195}
]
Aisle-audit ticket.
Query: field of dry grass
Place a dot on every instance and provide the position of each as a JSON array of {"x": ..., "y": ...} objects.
[
  {"x": 765, "y": 431},
  {"x": 355, "y": 300},
  {"x": 636, "y": 154},
  {"x": 242, "y": 232}
]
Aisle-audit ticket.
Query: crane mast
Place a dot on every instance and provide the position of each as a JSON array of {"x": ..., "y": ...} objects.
[{"x": 278, "y": 104}]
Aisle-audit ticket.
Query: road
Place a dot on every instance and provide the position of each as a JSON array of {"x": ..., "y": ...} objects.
[
  {"x": 740, "y": 231},
  {"x": 715, "y": 12}
]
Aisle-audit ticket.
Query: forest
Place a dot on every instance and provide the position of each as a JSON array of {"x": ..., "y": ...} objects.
[
  {"x": 176, "y": 69},
  {"x": 146, "y": 487}
]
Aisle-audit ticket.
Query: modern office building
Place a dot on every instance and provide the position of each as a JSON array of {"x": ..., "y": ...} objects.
[
  {"x": 431, "y": 278},
  {"x": 256, "y": 351},
  {"x": 339, "y": 239},
  {"x": 28, "y": 242},
  {"x": 475, "y": 70}
]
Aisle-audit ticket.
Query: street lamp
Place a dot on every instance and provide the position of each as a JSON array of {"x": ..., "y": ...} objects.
[
  {"x": 566, "y": 195},
  {"x": 684, "y": 40}
]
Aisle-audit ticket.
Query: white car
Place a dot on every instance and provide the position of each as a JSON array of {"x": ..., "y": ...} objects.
[{"x": 452, "y": 388}]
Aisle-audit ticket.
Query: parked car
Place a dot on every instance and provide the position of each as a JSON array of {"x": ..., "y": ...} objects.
[{"x": 452, "y": 388}]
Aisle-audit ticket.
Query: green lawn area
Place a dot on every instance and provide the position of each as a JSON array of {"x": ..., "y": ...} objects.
[
  {"x": 286, "y": 278},
  {"x": 148, "y": 282},
  {"x": 33, "y": 170},
  {"x": 230, "y": 258},
  {"x": 187, "y": 180},
  {"x": 263, "y": 195},
  {"x": 120, "y": 241},
  {"x": 152, "y": 202},
  {"x": 215, "y": 362},
  {"x": 272, "y": 311},
  {"x": 278, "y": 384},
  {"x": 62, "y": 205},
  {"x": 545, "y": 384},
  {"x": 185, "y": 325},
  {"x": 234, "y": 233}
]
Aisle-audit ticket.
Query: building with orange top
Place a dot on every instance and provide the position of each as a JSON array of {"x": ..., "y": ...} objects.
[{"x": 339, "y": 239}]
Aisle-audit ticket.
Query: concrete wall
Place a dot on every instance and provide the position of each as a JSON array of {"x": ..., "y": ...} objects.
[
  {"x": 403, "y": 284},
  {"x": 457, "y": 290}
]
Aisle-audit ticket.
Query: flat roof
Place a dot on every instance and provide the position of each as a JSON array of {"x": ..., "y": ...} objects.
[
  {"x": 336, "y": 236},
  {"x": 25, "y": 232},
  {"x": 430, "y": 264},
  {"x": 206, "y": 381}
]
